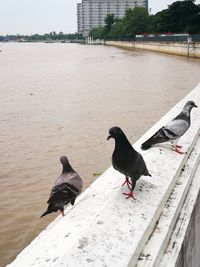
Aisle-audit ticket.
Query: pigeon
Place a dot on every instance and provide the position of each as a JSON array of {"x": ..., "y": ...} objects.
[
  {"x": 67, "y": 187},
  {"x": 173, "y": 130},
  {"x": 127, "y": 160}
]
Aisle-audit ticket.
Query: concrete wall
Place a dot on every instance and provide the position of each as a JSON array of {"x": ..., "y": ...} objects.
[
  {"x": 184, "y": 245},
  {"x": 189, "y": 254},
  {"x": 105, "y": 229},
  {"x": 168, "y": 48}
]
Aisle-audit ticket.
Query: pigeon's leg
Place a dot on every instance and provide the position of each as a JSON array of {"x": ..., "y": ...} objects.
[
  {"x": 127, "y": 182},
  {"x": 62, "y": 211},
  {"x": 63, "y": 214},
  {"x": 178, "y": 151},
  {"x": 176, "y": 147},
  {"x": 130, "y": 194}
]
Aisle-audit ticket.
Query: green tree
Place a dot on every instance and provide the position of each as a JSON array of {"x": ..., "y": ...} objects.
[
  {"x": 103, "y": 32},
  {"x": 98, "y": 33},
  {"x": 109, "y": 20},
  {"x": 117, "y": 30},
  {"x": 136, "y": 21},
  {"x": 180, "y": 17}
]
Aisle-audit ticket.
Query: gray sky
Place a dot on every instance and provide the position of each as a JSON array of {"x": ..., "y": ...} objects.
[{"x": 40, "y": 16}]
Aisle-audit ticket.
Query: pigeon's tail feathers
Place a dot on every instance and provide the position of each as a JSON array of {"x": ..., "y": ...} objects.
[
  {"x": 50, "y": 209},
  {"x": 146, "y": 173},
  {"x": 73, "y": 201},
  {"x": 45, "y": 213},
  {"x": 155, "y": 139}
]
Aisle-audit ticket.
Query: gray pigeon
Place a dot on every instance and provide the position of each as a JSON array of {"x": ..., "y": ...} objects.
[
  {"x": 67, "y": 187},
  {"x": 126, "y": 159},
  {"x": 173, "y": 130}
]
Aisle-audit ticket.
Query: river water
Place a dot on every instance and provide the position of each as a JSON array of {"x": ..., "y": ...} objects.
[{"x": 58, "y": 99}]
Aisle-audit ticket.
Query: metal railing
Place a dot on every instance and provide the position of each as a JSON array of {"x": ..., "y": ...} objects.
[
  {"x": 180, "y": 38},
  {"x": 167, "y": 38}
]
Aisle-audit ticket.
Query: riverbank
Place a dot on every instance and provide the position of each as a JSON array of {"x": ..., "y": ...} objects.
[{"x": 179, "y": 49}]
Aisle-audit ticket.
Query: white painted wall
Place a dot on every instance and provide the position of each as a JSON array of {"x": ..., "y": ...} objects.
[{"x": 104, "y": 228}]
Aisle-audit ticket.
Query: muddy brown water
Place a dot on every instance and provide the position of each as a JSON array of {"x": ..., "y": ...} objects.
[{"x": 58, "y": 99}]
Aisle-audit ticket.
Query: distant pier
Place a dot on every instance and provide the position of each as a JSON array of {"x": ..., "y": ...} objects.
[{"x": 91, "y": 41}]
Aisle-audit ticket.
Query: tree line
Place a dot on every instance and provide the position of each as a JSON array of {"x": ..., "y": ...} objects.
[
  {"x": 179, "y": 17},
  {"x": 52, "y": 36}
]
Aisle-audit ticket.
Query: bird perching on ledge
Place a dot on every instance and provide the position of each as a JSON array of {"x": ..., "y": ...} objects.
[
  {"x": 127, "y": 160},
  {"x": 67, "y": 187},
  {"x": 173, "y": 130}
]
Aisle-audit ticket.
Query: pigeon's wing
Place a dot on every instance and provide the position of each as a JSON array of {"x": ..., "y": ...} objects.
[
  {"x": 176, "y": 128},
  {"x": 139, "y": 167},
  {"x": 122, "y": 162},
  {"x": 63, "y": 192},
  {"x": 115, "y": 166},
  {"x": 161, "y": 136}
]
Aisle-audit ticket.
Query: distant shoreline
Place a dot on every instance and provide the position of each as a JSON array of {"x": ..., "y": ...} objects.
[{"x": 45, "y": 41}]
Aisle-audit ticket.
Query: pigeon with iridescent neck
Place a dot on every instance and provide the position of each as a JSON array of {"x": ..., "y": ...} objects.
[
  {"x": 67, "y": 187},
  {"x": 173, "y": 130}
]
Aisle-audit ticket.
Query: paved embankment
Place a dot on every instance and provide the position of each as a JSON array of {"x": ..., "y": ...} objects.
[{"x": 180, "y": 49}]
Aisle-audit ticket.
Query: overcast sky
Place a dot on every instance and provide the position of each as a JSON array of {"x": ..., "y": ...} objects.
[{"x": 40, "y": 16}]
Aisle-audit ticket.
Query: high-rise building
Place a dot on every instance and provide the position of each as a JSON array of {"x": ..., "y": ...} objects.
[{"x": 91, "y": 13}]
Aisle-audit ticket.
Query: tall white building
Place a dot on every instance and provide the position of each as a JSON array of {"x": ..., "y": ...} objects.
[{"x": 91, "y": 13}]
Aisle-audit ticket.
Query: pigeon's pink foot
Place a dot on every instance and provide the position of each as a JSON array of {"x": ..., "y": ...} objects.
[
  {"x": 177, "y": 146},
  {"x": 127, "y": 182},
  {"x": 62, "y": 212},
  {"x": 130, "y": 194},
  {"x": 178, "y": 151}
]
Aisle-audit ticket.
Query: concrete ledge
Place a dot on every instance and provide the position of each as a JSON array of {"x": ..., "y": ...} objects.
[
  {"x": 184, "y": 244},
  {"x": 180, "y": 49},
  {"x": 152, "y": 253},
  {"x": 105, "y": 229},
  {"x": 183, "y": 229}
]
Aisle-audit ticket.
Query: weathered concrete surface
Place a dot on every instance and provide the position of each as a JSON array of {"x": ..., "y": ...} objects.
[
  {"x": 191, "y": 245},
  {"x": 184, "y": 246},
  {"x": 104, "y": 228},
  {"x": 179, "y": 49},
  {"x": 171, "y": 212}
]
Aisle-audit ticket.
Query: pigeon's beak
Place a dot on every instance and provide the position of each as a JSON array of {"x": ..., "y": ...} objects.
[
  {"x": 195, "y": 106},
  {"x": 110, "y": 136}
]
